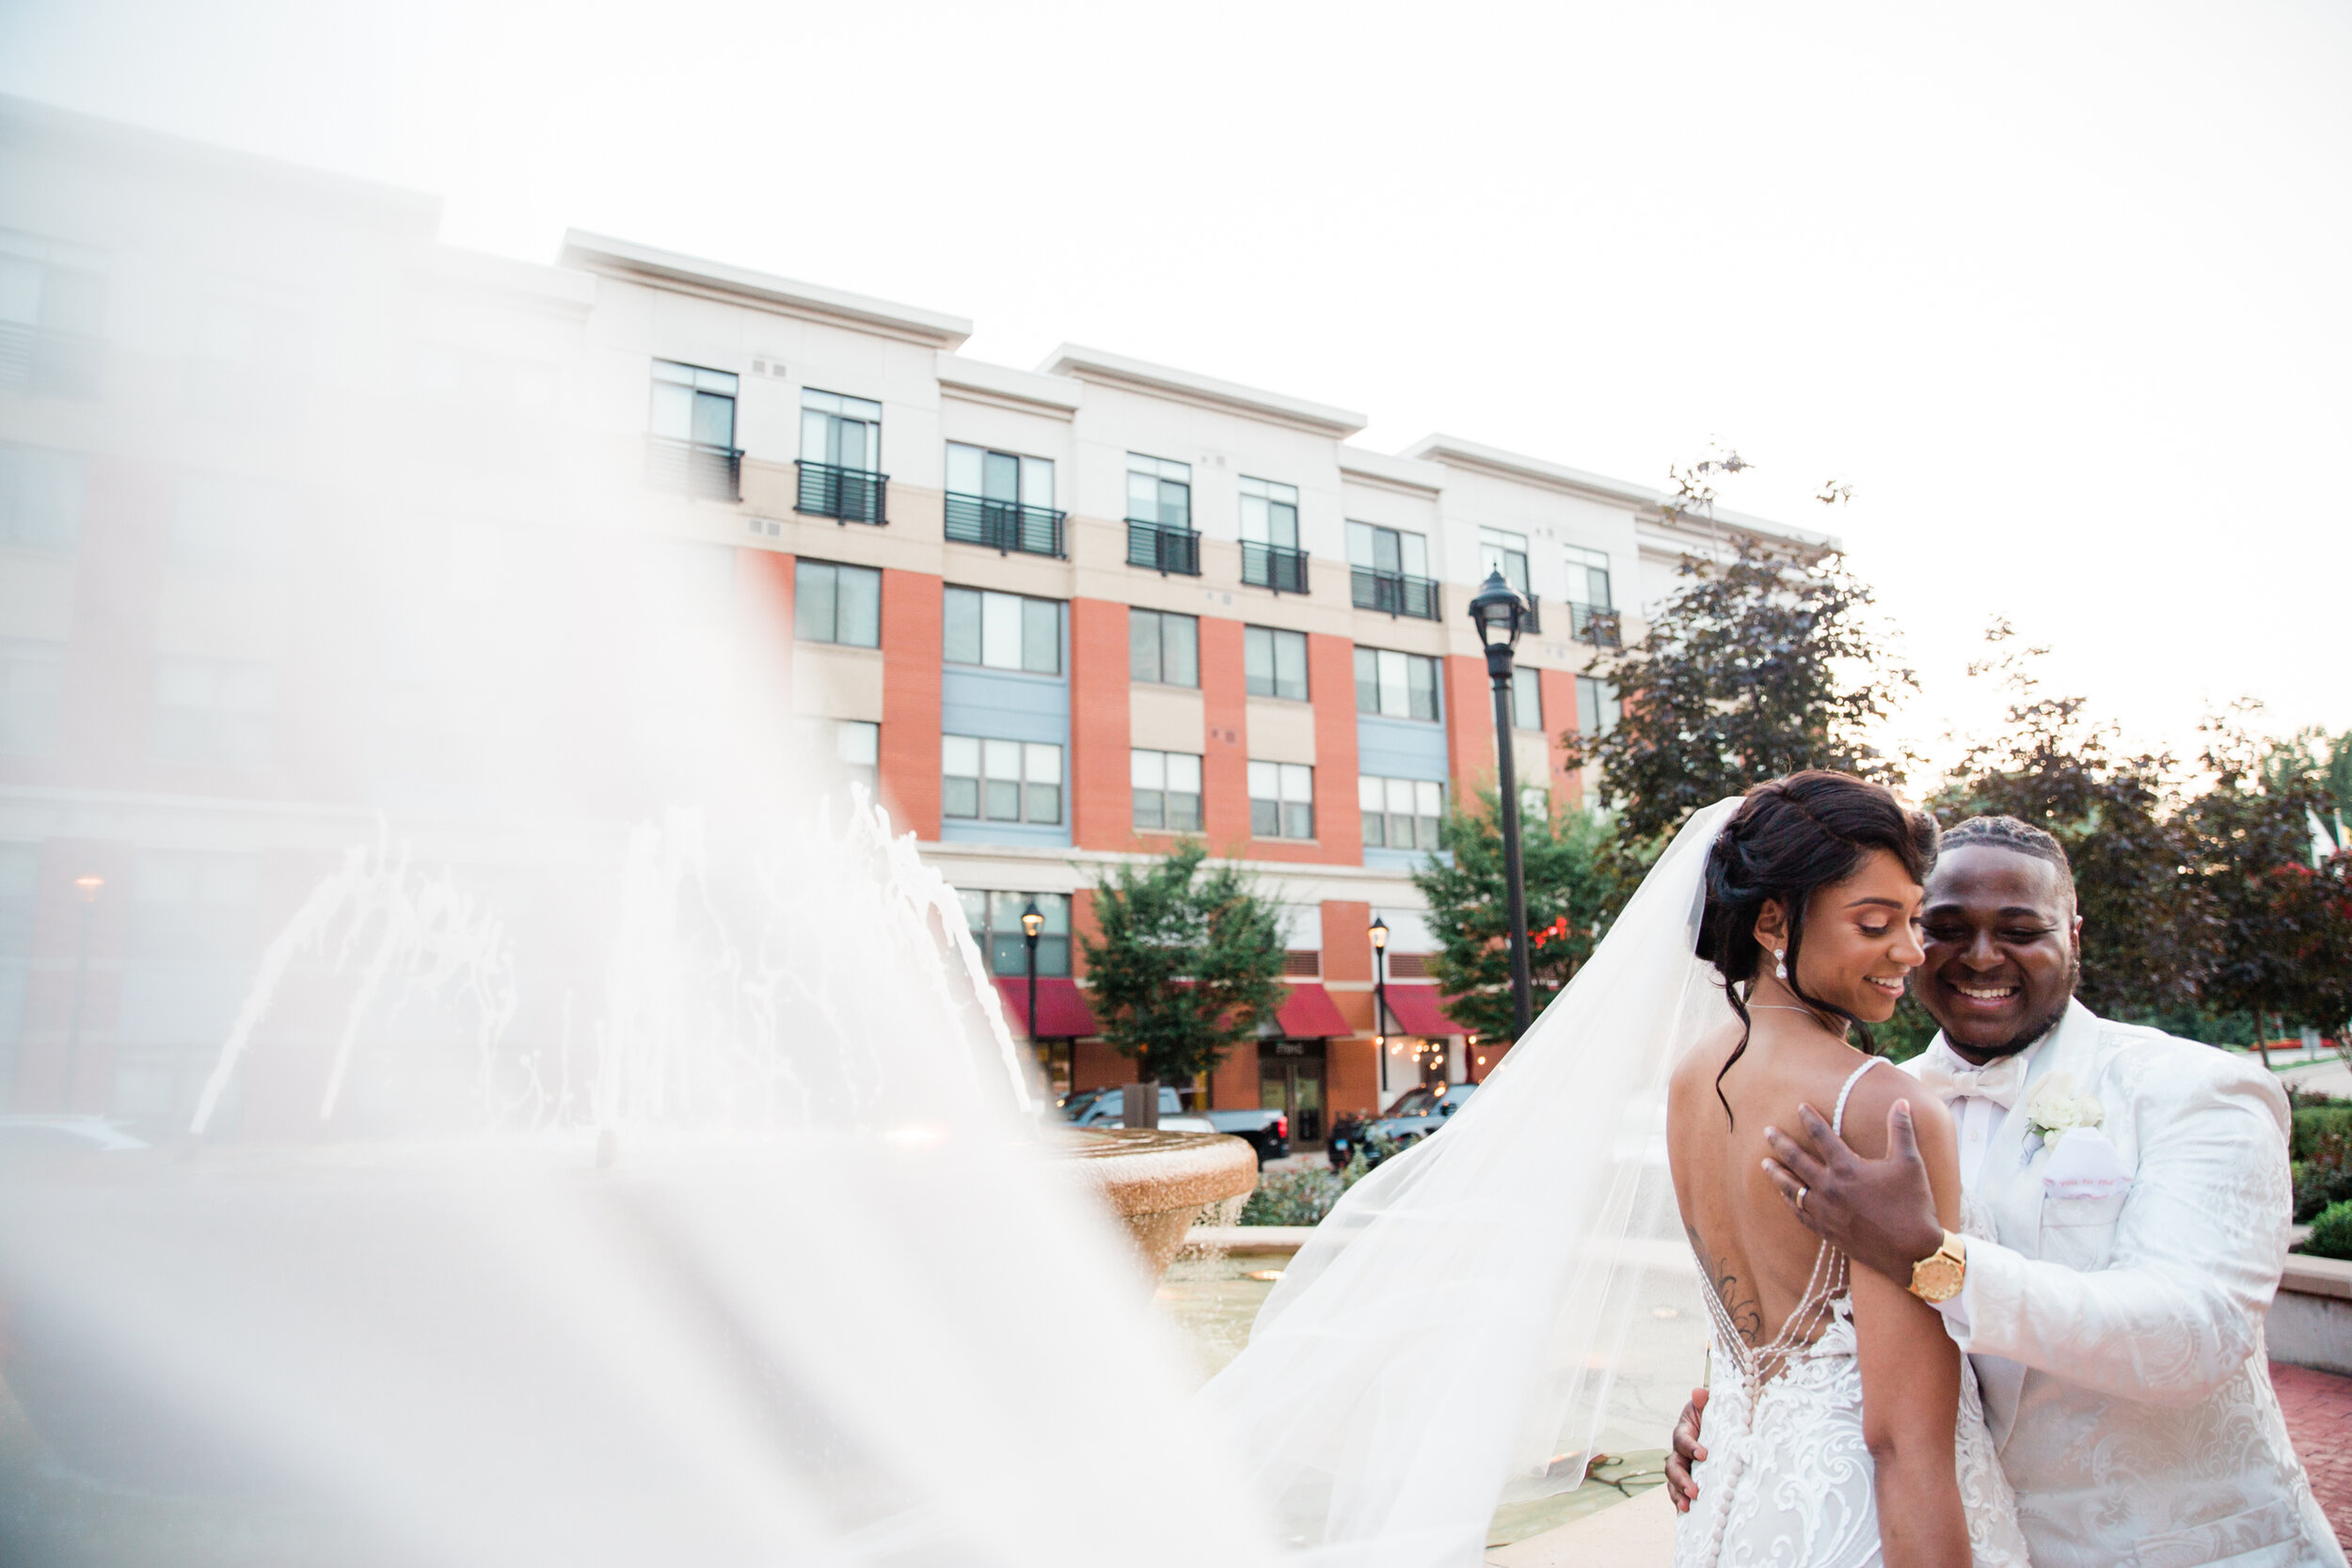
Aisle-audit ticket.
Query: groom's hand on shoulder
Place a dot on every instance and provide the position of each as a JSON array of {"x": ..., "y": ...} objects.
[{"x": 1882, "y": 1213}]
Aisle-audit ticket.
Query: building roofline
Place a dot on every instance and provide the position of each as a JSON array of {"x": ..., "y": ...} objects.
[
  {"x": 1455, "y": 451},
  {"x": 1397, "y": 473},
  {"x": 602, "y": 253},
  {"x": 1056, "y": 396},
  {"x": 1089, "y": 364},
  {"x": 28, "y": 122}
]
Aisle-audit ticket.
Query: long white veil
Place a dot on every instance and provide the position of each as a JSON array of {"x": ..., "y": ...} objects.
[{"x": 1448, "y": 1338}]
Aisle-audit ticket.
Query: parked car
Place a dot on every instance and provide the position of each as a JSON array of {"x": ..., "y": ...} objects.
[
  {"x": 1412, "y": 1117},
  {"x": 1267, "y": 1132}
]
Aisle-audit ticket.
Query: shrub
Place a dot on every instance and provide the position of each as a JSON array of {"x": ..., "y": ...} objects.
[
  {"x": 2324, "y": 1176},
  {"x": 2331, "y": 1233},
  {"x": 2313, "y": 1123},
  {"x": 1300, "y": 1196}
]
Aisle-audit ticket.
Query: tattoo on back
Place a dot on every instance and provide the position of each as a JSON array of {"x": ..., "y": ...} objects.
[{"x": 1744, "y": 1308}]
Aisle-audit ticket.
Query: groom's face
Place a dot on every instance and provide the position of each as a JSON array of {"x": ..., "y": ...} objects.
[{"x": 2000, "y": 933}]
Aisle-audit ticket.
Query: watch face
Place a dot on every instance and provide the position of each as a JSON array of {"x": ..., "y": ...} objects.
[{"x": 1936, "y": 1279}]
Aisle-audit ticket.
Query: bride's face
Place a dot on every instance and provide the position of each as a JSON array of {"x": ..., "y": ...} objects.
[{"x": 1861, "y": 939}]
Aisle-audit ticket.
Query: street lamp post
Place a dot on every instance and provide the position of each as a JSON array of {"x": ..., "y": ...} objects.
[
  {"x": 1499, "y": 612},
  {"x": 1379, "y": 990},
  {"x": 87, "y": 888},
  {"x": 1032, "y": 926}
]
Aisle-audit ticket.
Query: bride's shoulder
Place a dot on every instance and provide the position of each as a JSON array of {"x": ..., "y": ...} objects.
[{"x": 1875, "y": 1094}]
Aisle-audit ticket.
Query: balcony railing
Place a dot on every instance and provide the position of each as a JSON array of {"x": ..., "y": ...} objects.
[
  {"x": 1164, "y": 549},
  {"x": 714, "y": 473},
  {"x": 1596, "y": 623},
  {"x": 58, "y": 364},
  {"x": 852, "y": 495},
  {"x": 1534, "y": 621},
  {"x": 1275, "y": 566},
  {"x": 1394, "y": 594},
  {"x": 1004, "y": 525}
]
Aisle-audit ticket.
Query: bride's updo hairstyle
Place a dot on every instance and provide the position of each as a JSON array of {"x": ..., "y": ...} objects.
[{"x": 1790, "y": 838}]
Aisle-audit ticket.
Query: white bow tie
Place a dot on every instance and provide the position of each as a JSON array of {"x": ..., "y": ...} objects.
[{"x": 1943, "y": 1070}]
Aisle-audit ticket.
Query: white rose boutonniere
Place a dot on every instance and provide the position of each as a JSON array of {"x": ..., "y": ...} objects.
[{"x": 2056, "y": 1110}]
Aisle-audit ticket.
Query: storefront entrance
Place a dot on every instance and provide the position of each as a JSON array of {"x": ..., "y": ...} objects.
[{"x": 1289, "y": 1079}]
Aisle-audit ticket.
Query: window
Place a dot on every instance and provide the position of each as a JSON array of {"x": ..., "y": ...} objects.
[
  {"x": 1281, "y": 799},
  {"x": 837, "y": 604},
  {"x": 1003, "y": 631},
  {"x": 1387, "y": 549},
  {"x": 52, "y": 299},
  {"x": 1159, "y": 490},
  {"x": 1400, "y": 813},
  {"x": 857, "y": 744},
  {"x": 1394, "y": 685},
  {"x": 1499, "y": 551},
  {"x": 41, "y": 499},
  {"x": 1269, "y": 513},
  {"x": 1595, "y": 705},
  {"x": 32, "y": 677},
  {"x": 842, "y": 432},
  {"x": 1002, "y": 500},
  {"x": 1273, "y": 663},
  {"x": 1168, "y": 790},
  {"x": 1527, "y": 698},
  {"x": 996, "y": 921},
  {"x": 1389, "y": 571},
  {"x": 214, "y": 711},
  {"x": 1000, "y": 781},
  {"x": 694, "y": 404},
  {"x": 1163, "y": 649},
  {"x": 1588, "y": 576}
]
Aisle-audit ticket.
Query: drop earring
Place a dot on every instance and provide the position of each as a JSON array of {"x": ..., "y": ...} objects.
[{"x": 1780, "y": 963}]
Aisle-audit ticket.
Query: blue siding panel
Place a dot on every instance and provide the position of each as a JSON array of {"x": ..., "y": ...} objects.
[{"x": 1400, "y": 748}]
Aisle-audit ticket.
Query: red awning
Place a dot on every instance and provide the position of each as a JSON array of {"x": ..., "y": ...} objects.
[
  {"x": 1417, "y": 1010},
  {"x": 1062, "y": 1013},
  {"x": 1309, "y": 1014}
]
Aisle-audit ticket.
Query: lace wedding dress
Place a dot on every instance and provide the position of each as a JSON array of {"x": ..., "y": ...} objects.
[{"x": 1788, "y": 1479}]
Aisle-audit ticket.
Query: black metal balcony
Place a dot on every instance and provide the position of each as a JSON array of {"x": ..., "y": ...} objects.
[
  {"x": 1164, "y": 549},
  {"x": 852, "y": 494},
  {"x": 1004, "y": 525},
  {"x": 1599, "y": 625},
  {"x": 54, "y": 364},
  {"x": 714, "y": 473},
  {"x": 1534, "y": 621},
  {"x": 1275, "y": 566},
  {"x": 1394, "y": 594}
]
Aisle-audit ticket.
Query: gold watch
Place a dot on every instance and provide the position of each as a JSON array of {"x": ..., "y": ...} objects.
[{"x": 1937, "y": 1277}]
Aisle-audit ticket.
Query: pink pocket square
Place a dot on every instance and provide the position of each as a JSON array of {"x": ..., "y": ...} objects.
[{"x": 2085, "y": 1165}]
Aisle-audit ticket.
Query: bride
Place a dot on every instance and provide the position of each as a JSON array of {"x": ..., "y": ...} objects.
[{"x": 1448, "y": 1339}]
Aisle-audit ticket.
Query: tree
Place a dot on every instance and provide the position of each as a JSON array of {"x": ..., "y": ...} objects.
[
  {"x": 2280, "y": 893},
  {"x": 1754, "y": 669},
  {"x": 1189, "y": 963},
  {"x": 2148, "y": 924},
  {"x": 1571, "y": 891}
]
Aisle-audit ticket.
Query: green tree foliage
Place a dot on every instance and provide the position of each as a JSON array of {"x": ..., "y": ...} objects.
[
  {"x": 2280, "y": 897},
  {"x": 1189, "y": 963},
  {"x": 1573, "y": 886},
  {"x": 2147, "y": 925},
  {"x": 1759, "y": 668}
]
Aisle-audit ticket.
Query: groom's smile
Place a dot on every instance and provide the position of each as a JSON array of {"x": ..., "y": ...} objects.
[{"x": 1999, "y": 930}]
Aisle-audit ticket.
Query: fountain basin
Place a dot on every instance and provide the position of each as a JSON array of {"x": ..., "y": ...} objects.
[{"x": 1157, "y": 1182}]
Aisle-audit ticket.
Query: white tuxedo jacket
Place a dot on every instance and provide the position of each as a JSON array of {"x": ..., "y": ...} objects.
[{"x": 2119, "y": 1340}]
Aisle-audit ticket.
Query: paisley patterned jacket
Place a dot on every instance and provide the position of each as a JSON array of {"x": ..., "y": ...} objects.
[{"x": 2119, "y": 1339}]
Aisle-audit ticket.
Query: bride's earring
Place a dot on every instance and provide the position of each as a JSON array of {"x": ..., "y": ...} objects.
[{"x": 1780, "y": 963}]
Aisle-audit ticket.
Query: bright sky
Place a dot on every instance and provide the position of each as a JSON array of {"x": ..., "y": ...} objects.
[{"x": 2060, "y": 290}]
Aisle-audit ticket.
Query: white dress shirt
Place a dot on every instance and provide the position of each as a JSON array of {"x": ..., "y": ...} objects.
[{"x": 1975, "y": 1118}]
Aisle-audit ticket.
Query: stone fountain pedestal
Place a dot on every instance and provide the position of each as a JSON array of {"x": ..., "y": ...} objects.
[{"x": 1157, "y": 1182}]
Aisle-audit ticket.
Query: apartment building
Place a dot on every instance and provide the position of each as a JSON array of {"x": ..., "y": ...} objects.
[{"x": 1055, "y": 617}]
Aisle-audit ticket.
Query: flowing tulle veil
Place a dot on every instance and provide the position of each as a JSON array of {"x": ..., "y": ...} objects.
[{"x": 1448, "y": 1338}]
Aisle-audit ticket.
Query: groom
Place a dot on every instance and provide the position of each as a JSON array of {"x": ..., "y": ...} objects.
[{"x": 2138, "y": 1185}]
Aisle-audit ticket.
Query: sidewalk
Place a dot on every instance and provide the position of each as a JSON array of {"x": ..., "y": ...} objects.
[{"x": 2318, "y": 1407}]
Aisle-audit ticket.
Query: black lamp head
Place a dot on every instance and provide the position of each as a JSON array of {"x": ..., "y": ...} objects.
[
  {"x": 1032, "y": 921},
  {"x": 1497, "y": 612}
]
